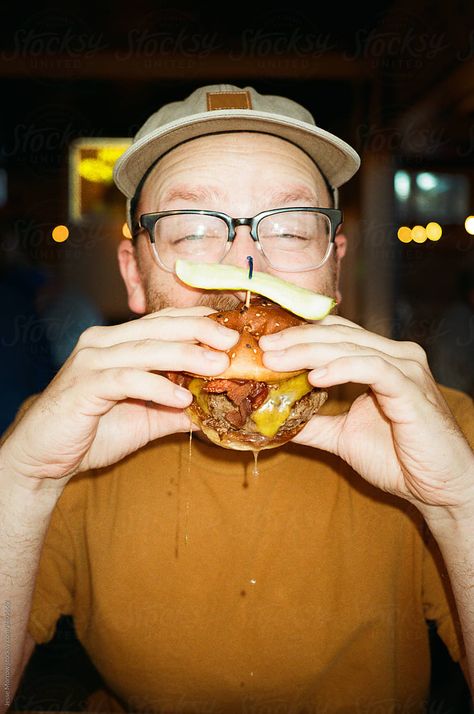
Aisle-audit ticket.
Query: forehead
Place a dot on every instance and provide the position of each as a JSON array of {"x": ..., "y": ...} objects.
[{"x": 235, "y": 159}]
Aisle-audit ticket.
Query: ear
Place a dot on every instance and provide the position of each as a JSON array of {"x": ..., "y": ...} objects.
[
  {"x": 341, "y": 244},
  {"x": 131, "y": 276}
]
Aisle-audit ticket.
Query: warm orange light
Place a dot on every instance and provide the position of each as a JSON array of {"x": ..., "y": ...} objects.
[
  {"x": 126, "y": 231},
  {"x": 60, "y": 234},
  {"x": 404, "y": 234},
  {"x": 434, "y": 231},
  {"x": 418, "y": 233}
]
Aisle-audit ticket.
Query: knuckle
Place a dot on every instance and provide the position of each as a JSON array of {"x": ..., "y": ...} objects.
[
  {"x": 417, "y": 369},
  {"x": 88, "y": 336},
  {"x": 122, "y": 375},
  {"x": 144, "y": 343},
  {"x": 378, "y": 361},
  {"x": 350, "y": 347},
  {"x": 416, "y": 352},
  {"x": 85, "y": 356}
]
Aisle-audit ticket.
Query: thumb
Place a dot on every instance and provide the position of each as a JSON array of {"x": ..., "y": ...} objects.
[{"x": 322, "y": 432}]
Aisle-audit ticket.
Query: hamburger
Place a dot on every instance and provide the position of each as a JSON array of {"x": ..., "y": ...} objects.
[{"x": 248, "y": 406}]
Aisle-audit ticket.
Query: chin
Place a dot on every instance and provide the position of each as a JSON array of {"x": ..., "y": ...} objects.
[{"x": 249, "y": 407}]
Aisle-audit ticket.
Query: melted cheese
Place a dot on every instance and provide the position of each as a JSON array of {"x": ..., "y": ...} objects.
[
  {"x": 195, "y": 387},
  {"x": 276, "y": 409}
]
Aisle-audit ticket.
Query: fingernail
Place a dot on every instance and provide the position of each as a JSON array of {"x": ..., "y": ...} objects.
[
  {"x": 320, "y": 372},
  {"x": 275, "y": 353},
  {"x": 183, "y": 396},
  {"x": 272, "y": 338},
  {"x": 213, "y": 356},
  {"x": 228, "y": 332}
]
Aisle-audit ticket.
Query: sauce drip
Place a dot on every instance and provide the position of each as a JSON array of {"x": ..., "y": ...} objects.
[
  {"x": 255, "y": 464},
  {"x": 186, "y": 515},
  {"x": 178, "y": 498},
  {"x": 178, "y": 512},
  {"x": 245, "y": 483}
]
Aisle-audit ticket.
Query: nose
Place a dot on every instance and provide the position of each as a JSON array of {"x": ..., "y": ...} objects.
[{"x": 241, "y": 247}]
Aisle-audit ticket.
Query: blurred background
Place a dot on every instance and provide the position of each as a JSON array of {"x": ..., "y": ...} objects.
[{"x": 394, "y": 78}]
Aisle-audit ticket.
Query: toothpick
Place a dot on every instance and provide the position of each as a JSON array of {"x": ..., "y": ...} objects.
[{"x": 250, "y": 262}]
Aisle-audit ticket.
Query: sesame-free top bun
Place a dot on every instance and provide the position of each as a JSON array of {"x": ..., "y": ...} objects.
[{"x": 262, "y": 317}]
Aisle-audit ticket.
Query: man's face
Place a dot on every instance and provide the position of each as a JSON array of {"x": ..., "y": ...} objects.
[{"x": 240, "y": 174}]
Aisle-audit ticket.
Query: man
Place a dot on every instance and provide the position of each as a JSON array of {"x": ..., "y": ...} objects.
[{"x": 307, "y": 591}]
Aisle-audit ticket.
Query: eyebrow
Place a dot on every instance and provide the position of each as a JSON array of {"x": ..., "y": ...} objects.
[
  {"x": 191, "y": 193},
  {"x": 297, "y": 193},
  {"x": 203, "y": 194}
]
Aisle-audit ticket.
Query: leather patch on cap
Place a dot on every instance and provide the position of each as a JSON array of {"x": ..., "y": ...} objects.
[{"x": 229, "y": 100}]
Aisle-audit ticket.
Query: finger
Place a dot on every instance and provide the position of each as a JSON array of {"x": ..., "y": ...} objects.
[
  {"x": 161, "y": 327},
  {"x": 399, "y": 397},
  {"x": 153, "y": 355},
  {"x": 309, "y": 356},
  {"x": 338, "y": 332},
  {"x": 338, "y": 320},
  {"x": 322, "y": 432},
  {"x": 106, "y": 387}
]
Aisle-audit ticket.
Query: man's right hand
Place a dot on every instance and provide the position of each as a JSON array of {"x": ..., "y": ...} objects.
[{"x": 106, "y": 401}]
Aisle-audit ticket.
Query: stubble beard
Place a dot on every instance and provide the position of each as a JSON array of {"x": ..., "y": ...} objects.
[{"x": 156, "y": 299}]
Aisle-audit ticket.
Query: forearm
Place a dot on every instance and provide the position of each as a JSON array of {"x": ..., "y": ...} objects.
[
  {"x": 455, "y": 537},
  {"x": 25, "y": 512}
]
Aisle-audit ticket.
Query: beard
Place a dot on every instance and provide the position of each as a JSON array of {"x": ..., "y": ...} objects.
[{"x": 156, "y": 299}]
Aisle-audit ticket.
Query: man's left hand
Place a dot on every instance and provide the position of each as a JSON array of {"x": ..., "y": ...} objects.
[{"x": 400, "y": 435}]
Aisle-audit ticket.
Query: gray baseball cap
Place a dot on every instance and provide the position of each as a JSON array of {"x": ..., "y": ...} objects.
[{"x": 221, "y": 108}]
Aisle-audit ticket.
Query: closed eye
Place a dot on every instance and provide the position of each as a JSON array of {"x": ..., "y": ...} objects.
[
  {"x": 197, "y": 237},
  {"x": 289, "y": 236}
]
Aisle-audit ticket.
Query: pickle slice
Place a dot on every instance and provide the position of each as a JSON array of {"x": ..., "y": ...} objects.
[{"x": 214, "y": 276}]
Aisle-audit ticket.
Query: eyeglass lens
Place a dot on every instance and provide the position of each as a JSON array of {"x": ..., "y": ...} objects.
[{"x": 297, "y": 238}]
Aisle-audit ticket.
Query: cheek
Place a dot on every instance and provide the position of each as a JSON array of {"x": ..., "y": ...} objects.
[
  {"x": 163, "y": 289},
  {"x": 155, "y": 296},
  {"x": 322, "y": 280}
]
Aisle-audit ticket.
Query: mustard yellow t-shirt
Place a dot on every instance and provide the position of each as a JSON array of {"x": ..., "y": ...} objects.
[{"x": 306, "y": 591}]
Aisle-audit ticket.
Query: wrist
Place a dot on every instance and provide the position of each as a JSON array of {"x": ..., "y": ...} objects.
[
  {"x": 450, "y": 517},
  {"x": 12, "y": 478}
]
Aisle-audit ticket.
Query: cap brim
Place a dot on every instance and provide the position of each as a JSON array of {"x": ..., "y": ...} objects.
[{"x": 335, "y": 158}]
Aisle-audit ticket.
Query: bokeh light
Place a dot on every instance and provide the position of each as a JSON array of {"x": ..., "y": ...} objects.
[
  {"x": 404, "y": 234},
  {"x": 402, "y": 184},
  {"x": 469, "y": 225},
  {"x": 60, "y": 233},
  {"x": 426, "y": 181},
  {"x": 434, "y": 231},
  {"x": 418, "y": 234}
]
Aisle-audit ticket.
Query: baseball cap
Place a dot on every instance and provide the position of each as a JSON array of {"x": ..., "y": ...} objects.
[{"x": 221, "y": 108}]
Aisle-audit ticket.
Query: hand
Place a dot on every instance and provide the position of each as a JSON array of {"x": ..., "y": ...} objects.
[
  {"x": 400, "y": 435},
  {"x": 106, "y": 401}
]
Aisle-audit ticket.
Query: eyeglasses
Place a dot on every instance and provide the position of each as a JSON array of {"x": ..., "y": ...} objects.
[{"x": 290, "y": 239}]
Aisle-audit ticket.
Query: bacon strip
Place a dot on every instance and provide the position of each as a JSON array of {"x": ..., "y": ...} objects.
[
  {"x": 259, "y": 394},
  {"x": 246, "y": 395},
  {"x": 216, "y": 386}
]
